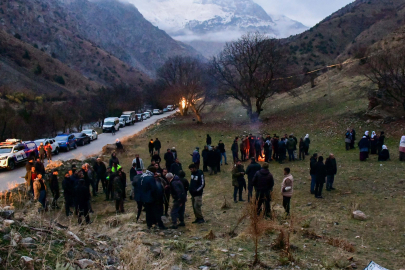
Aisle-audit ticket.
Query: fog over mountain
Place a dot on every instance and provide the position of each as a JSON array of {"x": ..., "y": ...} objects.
[{"x": 216, "y": 21}]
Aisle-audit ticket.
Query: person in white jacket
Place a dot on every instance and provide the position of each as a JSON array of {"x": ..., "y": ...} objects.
[
  {"x": 139, "y": 163},
  {"x": 287, "y": 190}
]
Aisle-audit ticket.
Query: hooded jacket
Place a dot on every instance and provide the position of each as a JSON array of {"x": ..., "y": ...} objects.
[
  {"x": 177, "y": 190},
  {"x": 251, "y": 170},
  {"x": 263, "y": 180},
  {"x": 197, "y": 183},
  {"x": 196, "y": 156},
  {"x": 147, "y": 187}
]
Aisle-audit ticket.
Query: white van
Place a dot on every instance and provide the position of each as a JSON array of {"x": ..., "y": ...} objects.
[
  {"x": 130, "y": 117},
  {"x": 111, "y": 122}
]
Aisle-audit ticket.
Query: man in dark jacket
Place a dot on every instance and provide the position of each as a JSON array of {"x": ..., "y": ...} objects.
[
  {"x": 242, "y": 149},
  {"x": 208, "y": 140},
  {"x": 169, "y": 159},
  {"x": 263, "y": 182},
  {"x": 252, "y": 140},
  {"x": 353, "y": 132},
  {"x": 331, "y": 170},
  {"x": 136, "y": 188},
  {"x": 68, "y": 193},
  {"x": 211, "y": 161},
  {"x": 184, "y": 181},
  {"x": 312, "y": 171},
  {"x": 251, "y": 171},
  {"x": 119, "y": 191},
  {"x": 235, "y": 150},
  {"x": 113, "y": 159},
  {"x": 258, "y": 148},
  {"x": 238, "y": 181},
  {"x": 281, "y": 150},
  {"x": 204, "y": 155},
  {"x": 156, "y": 157},
  {"x": 83, "y": 197},
  {"x": 176, "y": 167},
  {"x": 101, "y": 171},
  {"x": 221, "y": 147},
  {"x": 179, "y": 200},
  {"x": 39, "y": 167},
  {"x": 54, "y": 185},
  {"x": 291, "y": 147},
  {"x": 148, "y": 194},
  {"x": 157, "y": 145},
  {"x": 197, "y": 184},
  {"x": 320, "y": 177},
  {"x": 109, "y": 184},
  {"x": 151, "y": 147}
]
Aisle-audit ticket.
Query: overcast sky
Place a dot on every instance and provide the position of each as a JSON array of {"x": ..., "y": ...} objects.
[{"x": 308, "y": 12}]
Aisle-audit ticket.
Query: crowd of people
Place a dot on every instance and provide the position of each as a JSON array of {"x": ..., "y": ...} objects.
[{"x": 157, "y": 189}]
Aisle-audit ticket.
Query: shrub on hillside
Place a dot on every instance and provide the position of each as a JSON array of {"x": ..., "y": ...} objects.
[{"x": 59, "y": 79}]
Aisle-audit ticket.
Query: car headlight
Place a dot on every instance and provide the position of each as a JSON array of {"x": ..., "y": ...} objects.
[{"x": 3, "y": 158}]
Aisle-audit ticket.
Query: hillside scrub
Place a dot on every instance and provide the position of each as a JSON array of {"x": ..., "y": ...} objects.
[{"x": 319, "y": 233}]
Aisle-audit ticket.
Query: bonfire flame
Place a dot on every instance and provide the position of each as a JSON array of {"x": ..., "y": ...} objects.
[
  {"x": 183, "y": 103},
  {"x": 261, "y": 159}
]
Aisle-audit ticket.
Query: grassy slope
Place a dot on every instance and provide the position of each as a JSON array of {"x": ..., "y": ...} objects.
[{"x": 378, "y": 189}]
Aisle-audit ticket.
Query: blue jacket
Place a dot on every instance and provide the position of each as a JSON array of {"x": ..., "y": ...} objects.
[
  {"x": 196, "y": 156},
  {"x": 147, "y": 187}
]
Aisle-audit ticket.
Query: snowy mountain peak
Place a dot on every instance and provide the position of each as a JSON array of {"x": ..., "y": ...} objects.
[{"x": 214, "y": 20}]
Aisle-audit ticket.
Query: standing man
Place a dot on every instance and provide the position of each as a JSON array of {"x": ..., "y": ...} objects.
[
  {"x": 267, "y": 150},
  {"x": 157, "y": 145},
  {"x": 119, "y": 192},
  {"x": 156, "y": 157},
  {"x": 287, "y": 190},
  {"x": 151, "y": 147},
  {"x": 109, "y": 184},
  {"x": 348, "y": 139},
  {"x": 39, "y": 166},
  {"x": 68, "y": 193},
  {"x": 235, "y": 151},
  {"x": 221, "y": 147},
  {"x": 291, "y": 146},
  {"x": 307, "y": 142},
  {"x": 312, "y": 171},
  {"x": 196, "y": 157},
  {"x": 169, "y": 159},
  {"x": 179, "y": 200},
  {"x": 281, "y": 150},
  {"x": 197, "y": 184},
  {"x": 174, "y": 152},
  {"x": 113, "y": 130},
  {"x": 238, "y": 180},
  {"x": 41, "y": 152},
  {"x": 147, "y": 192},
  {"x": 54, "y": 184},
  {"x": 263, "y": 182},
  {"x": 48, "y": 148},
  {"x": 101, "y": 171},
  {"x": 353, "y": 132},
  {"x": 176, "y": 167},
  {"x": 251, "y": 146},
  {"x": 204, "y": 154},
  {"x": 83, "y": 198},
  {"x": 320, "y": 177},
  {"x": 139, "y": 166},
  {"x": 251, "y": 170},
  {"x": 211, "y": 160},
  {"x": 242, "y": 149},
  {"x": 208, "y": 140},
  {"x": 331, "y": 170}
]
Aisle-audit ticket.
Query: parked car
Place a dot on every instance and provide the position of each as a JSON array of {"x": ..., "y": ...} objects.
[
  {"x": 53, "y": 142},
  {"x": 156, "y": 111},
  {"x": 129, "y": 116},
  {"x": 139, "y": 117},
  {"x": 110, "y": 122},
  {"x": 150, "y": 112},
  {"x": 82, "y": 138},
  {"x": 122, "y": 122},
  {"x": 144, "y": 116},
  {"x": 165, "y": 110},
  {"x": 14, "y": 151},
  {"x": 170, "y": 107},
  {"x": 148, "y": 115},
  {"x": 66, "y": 141},
  {"x": 91, "y": 133}
]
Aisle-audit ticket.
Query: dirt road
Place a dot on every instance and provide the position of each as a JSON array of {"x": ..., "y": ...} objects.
[{"x": 10, "y": 178}]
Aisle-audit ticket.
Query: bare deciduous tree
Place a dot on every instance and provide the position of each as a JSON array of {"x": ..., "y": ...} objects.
[
  {"x": 185, "y": 79},
  {"x": 245, "y": 70},
  {"x": 387, "y": 71}
]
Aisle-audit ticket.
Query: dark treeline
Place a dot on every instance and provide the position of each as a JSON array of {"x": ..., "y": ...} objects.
[{"x": 25, "y": 116}]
